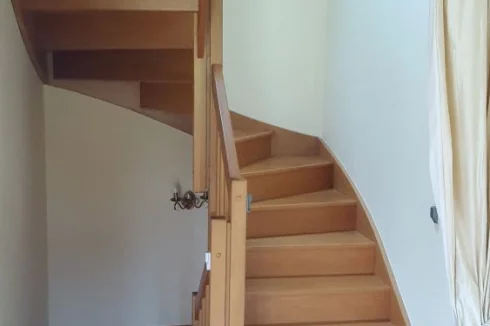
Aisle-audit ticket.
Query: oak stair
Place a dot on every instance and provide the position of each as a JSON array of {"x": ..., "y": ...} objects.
[
  {"x": 307, "y": 265},
  {"x": 308, "y": 261},
  {"x": 94, "y": 47}
]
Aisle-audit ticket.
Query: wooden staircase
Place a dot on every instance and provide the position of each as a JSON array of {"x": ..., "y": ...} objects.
[
  {"x": 306, "y": 254},
  {"x": 306, "y": 260},
  {"x": 311, "y": 255}
]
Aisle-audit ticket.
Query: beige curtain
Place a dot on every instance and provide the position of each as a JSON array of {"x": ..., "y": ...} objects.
[{"x": 459, "y": 142}]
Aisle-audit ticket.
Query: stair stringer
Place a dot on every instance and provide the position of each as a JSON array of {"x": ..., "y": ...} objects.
[
  {"x": 286, "y": 142},
  {"x": 126, "y": 95}
]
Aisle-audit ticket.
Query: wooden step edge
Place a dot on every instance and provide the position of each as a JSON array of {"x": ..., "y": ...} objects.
[
  {"x": 278, "y": 247},
  {"x": 253, "y": 135},
  {"x": 339, "y": 284},
  {"x": 260, "y": 206},
  {"x": 319, "y": 290},
  {"x": 347, "y": 239},
  {"x": 357, "y": 323},
  {"x": 284, "y": 169}
]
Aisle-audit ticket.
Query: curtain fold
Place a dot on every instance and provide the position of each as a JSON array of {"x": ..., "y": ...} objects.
[{"x": 459, "y": 140}]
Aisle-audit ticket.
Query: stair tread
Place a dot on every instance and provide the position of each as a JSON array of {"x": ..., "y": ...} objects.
[
  {"x": 243, "y": 135},
  {"x": 313, "y": 199},
  {"x": 379, "y": 323},
  {"x": 277, "y": 164},
  {"x": 349, "y": 238},
  {"x": 302, "y": 285}
]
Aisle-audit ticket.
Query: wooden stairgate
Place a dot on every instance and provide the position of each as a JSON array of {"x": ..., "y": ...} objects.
[{"x": 220, "y": 300}]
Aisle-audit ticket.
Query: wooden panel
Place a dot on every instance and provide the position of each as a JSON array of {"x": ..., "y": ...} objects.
[
  {"x": 176, "y": 98},
  {"x": 337, "y": 253},
  {"x": 289, "y": 183},
  {"x": 301, "y": 221},
  {"x": 255, "y": 149},
  {"x": 316, "y": 300},
  {"x": 130, "y": 5},
  {"x": 114, "y": 30},
  {"x": 125, "y": 65}
]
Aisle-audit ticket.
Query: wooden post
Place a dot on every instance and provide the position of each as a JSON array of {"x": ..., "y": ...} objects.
[
  {"x": 218, "y": 272},
  {"x": 238, "y": 206},
  {"x": 201, "y": 93}
]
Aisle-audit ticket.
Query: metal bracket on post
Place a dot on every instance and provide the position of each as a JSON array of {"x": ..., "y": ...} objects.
[
  {"x": 249, "y": 203},
  {"x": 207, "y": 259},
  {"x": 434, "y": 215}
]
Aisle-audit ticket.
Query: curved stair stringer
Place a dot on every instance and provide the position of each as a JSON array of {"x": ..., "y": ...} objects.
[
  {"x": 365, "y": 225},
  {"x": 126, "y": 95},
  {"x": 286, "y": 142}
]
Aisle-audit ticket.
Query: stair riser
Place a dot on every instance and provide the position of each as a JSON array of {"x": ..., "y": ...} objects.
[
  {"x": 359, "y": 305},
  {"x": 254, "y": 150},
  {"x": 310, "y": 261},
  {"x": 290, "y": 183},
  {"x": 299, "y": 221}
]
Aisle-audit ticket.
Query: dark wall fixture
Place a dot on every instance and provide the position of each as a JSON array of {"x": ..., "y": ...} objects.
[{"x": 189, "y": 200}]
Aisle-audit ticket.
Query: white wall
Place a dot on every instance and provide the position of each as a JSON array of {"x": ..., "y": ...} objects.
[
  {"x": 118, "y": 253},
  {"x": 23, "y": 269},
  {"x": 273, "y": 61},
  {"x": 376, "y": 122}
]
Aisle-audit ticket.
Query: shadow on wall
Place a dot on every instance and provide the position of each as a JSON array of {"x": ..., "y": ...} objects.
[{"x": 118, "y": 253}]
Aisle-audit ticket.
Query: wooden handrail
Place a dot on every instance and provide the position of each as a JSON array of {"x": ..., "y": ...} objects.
[
  {"x": 200, "y": 293},
  {"x": 202, "y": 26},
  {"x": 225, "y": 128}
]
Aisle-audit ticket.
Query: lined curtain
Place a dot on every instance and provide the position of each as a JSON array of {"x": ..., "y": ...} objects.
[{"x": 459, "y": 142}]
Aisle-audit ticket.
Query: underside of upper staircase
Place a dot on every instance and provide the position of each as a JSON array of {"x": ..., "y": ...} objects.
[{"x": 136, "y": 54}]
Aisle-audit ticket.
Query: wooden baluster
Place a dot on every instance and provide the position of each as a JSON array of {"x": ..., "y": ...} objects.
[
  {"x": 238, "y": 205},
  {"x": 222, "y": 187},
  {"x": 194, "y": 307},
  {"x": 213, "y": 161},
  {"x": 200, "y": 316},
  {"x": 201, "y": 81},
  {"x": 219, "y": 179},
  {"x": 218, "y": 274},
  {"x": 204, "y": 311},
  {"x": 206, "y": 322},
  {"x": 226, "y": 204}
]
